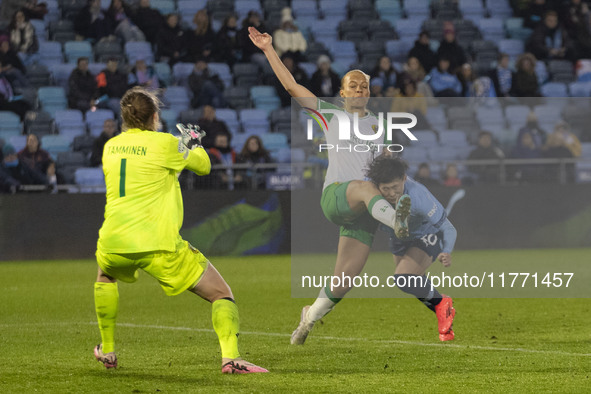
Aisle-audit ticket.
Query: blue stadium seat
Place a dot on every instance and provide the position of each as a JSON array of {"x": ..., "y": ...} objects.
[
  {"x": 398, "y": 49},
  {"x": 238, "y": 140},
  {"x": 455, "y": 138},
  {"x": 52, "y": 98},
  {"x": 181, "y": 72},
  {"x": 9, "y": 121},
  {"x": 305, "y": 8},
  {"x": 75, "y": 49},
  {"x": 68, "y": 117},
  {"x": 554, "y": 89},
  {"x": 55, "y": 144},
  {"x": 138, "y": 50},
  {"x": 96, "y": 119},
  {"x": 492, "y": 28},
  {"x": 96, "y": 68},
  {"x": 50, "y": 53},
  {"x": 164, "y": 6},
  {"x": 516, "y": 115},
  {"x": 417, "y": 8},
  {"x": 18, "y": 142},
  {"x": 170, "y": 117},
  {"x": 500, "y": 9},
  {"x": 176, "y": 97},
  {"x": 409, "y": 28},
  {"x": 254, "y": 121},
  {"x": 274, "y": 141},
  {"x": 90, "y": 179},
  {"x": 262, "y": 91},
  {"x": 436, "y": 117},
  {"x": 471, "y": 9},
  {"x": 580, "y": 89},
  {"x": 490, "y": 116},
  {"x": 512, "y": 47},
  {"x": 548, "y": 115},
  {"x": 163, "y": 72},
  {"x": 334, "y": 8},
  {"x": 61, "y": 73},
  {"x": 223, "y": 71}
]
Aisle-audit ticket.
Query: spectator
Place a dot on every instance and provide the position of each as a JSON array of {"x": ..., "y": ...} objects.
[
  {"x": 109, "y": 131},
  {"x": 568, "y": 138},
  {"x": 534, "y": 14},
  {"x": 325, "y": 82},
  {"x": 212, "y": 126},
  {"x": 474, "y": 86},
  {"x": 450, "y": 49},
  {"x": 249, "y": 50},
  {"x": 575, "y": 19},
  {"x": 533, "y": 127},
  {"x": 120, "y": 14},
  {"x": 376, "y": 87},
  {"x": 149, "y": 20},
  {"x": 13, "y": 173},
  {"x": 413, "y": 69},
  {"x": 423, "y": 175},
  {"x": 443, "y": 83},
  {"x": 8, "y": 100},
  {"x": 550, "y": 41},
  {"x": 143, "y": 75},
  {"x": 23, "y": 38},
  {"x": 526, "y": 149},
  {"x": 171, "y": 42},
  {"x": 222, "y": 153},
  {"x": 451, "y": 178},
  {"x": 34, "y": 10},
  {"x": 298, "y": 74},
  {"x": 112, "y": 83},
  {"x": 525, "y": 81},
  {"x": 200, "y": 44},
  {"x": 227, "y": 41},
  {"x": 38, "y": 159},
  {"x": 386, "y": 72},
  {"x": 8, "y": 8},
  {"x": 207, "y": 88},
  {"x": 12, "y": 66},
  {"x": 555, "y": 148},
  {"x": 82, "y": 88},
  {"x": 92, "y": 23},
  {"x": 288, "y": 39},
  {"x": 501, "y": 76},
  {"x": 487, "y": 173},
  {"x": 253, "y": 152},
  {"x": 423, "y": 53},
  {"x": 408, "y": 99}
]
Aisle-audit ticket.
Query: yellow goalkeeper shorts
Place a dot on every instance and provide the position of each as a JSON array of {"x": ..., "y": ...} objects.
[{"x": 175, "y": 271}]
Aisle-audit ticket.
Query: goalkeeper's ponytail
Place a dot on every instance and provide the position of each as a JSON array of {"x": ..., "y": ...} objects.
[{"x": 138, "y": 107}]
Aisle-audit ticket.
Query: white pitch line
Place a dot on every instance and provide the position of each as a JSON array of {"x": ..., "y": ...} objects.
[{"x": 330, "y": 338}]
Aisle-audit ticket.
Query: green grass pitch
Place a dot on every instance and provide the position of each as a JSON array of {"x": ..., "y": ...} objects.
[{"x": 166, "y": 344}]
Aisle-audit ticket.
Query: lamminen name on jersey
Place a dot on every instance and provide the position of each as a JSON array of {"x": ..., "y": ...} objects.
[{"x": 128, "y": 150}]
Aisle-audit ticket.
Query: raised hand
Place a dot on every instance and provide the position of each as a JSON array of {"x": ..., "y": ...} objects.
[
  {"x": 261, "y": 40},
  {"x": 445, "y": 259}
]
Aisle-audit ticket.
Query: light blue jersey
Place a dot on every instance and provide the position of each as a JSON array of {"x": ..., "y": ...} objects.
[{"x": 427, "y": 217}]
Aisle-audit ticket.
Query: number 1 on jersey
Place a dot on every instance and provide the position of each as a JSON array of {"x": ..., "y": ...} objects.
[{"x": 122, "y": 178}]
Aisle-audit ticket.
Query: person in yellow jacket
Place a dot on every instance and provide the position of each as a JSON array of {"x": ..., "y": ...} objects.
[{"x": 143, "y": 215}]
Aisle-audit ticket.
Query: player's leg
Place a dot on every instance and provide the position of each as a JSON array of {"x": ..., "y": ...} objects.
[
  {"x": 226, "y": 320},
  {"x": 364, "y": 195},
  {"x": 106, "y": 303},
  {"x": 351, "y": 258},
  {"x": 410, "y": 278}
]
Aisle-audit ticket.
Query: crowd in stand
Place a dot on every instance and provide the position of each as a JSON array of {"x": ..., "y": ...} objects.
[{"x": 432, "y": 69}]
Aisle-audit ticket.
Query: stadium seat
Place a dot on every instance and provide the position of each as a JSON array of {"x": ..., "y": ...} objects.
[
  {"x": 417, "y": 9},
  {"x": 105, "y": 49},
  {"x": 274, "y": 141},
  {"x": 305, "y": 8},
  {"x": 471, "y": 9},
  {"x": 170, "y": 118},
  {"x": 398, "y": 49},
  {"x": 165, "y": 7},
  {"x": 89, "y": 178},
  {"x": 66, "y": 165},
  {"x": 579, "y": 89},
  {"x": 415, "y": 154},
  {"x": 492, "y": 28},
  {"x": 254, "y": 121},
  {"x": 324, "y": 32},
  {"x": 237, "y": 97},
  {"x": 554, "y": 89},
  {"x": 222, "y": 70},
  {"x": 68, "y": 118},
  {"x": 512, "y": 47},
  {"x": 176, "y": 97},
  {"x": 246, "y": 74},
  {"x": 61, "y": 74},
  {"x": 75, "y": 49},
  {"x": 52, "y": 98},
  {"x": 38, "y": 75},
  {"x": 163, "y": 72},
  {"x": 190, "y": 116},
  {"x": 95, "y": 120},
  {"x": 9, "y": 121},
  {"x": 138, "y": 50},
  {"x": 50, "y": 53},
  {"x": 516, "y": 115},
  {"x": 455, "y": 138},
  {"x": 561, "y": 71},
  {"x": 309, "y": 68},
  {"x": 548, "y": 115},
  {"x": 335, "y": 8},
  {"x": 38, "y": 122},
  {"x": 500, "y": 9},
  {"x": 181, "y": 72},
  {"x": 541, "y": 72},
  {"x": 490, "y": 116},
  {"x": 63, "y": 25},
  {"x": 55, "y": 144},
  {"x": 436, "y": 117}
]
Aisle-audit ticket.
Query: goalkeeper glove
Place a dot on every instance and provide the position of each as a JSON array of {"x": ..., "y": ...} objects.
[{"x": 191, "y": 135}]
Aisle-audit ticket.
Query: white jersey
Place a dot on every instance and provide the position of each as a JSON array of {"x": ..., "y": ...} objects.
[{"x": 349, "y": 159}]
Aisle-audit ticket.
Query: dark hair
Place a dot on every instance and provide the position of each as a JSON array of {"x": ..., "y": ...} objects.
[
  {"x": 386, "y": 169},
  {"x": 138, "y": 106},
  {"x": 261, "y": 152},
  {"x": 81, "y": 59}
]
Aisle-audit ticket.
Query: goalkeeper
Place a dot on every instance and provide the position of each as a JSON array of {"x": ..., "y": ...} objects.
[{"x": 143, "y": 215}]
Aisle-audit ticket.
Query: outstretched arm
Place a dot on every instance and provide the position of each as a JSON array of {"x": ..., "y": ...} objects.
[{"x": 264, "y": 42}]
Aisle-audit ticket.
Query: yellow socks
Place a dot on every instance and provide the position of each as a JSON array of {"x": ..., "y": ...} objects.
[
  {"x": 106, "y": 303},
  {"x": 226, "y": 323}
]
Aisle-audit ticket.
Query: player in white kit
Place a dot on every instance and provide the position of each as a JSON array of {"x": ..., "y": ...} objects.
[{"x": 357, "y": 206}]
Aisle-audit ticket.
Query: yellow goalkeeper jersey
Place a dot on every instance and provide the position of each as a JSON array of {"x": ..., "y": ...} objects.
[{"x": 144, "y": 210}]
